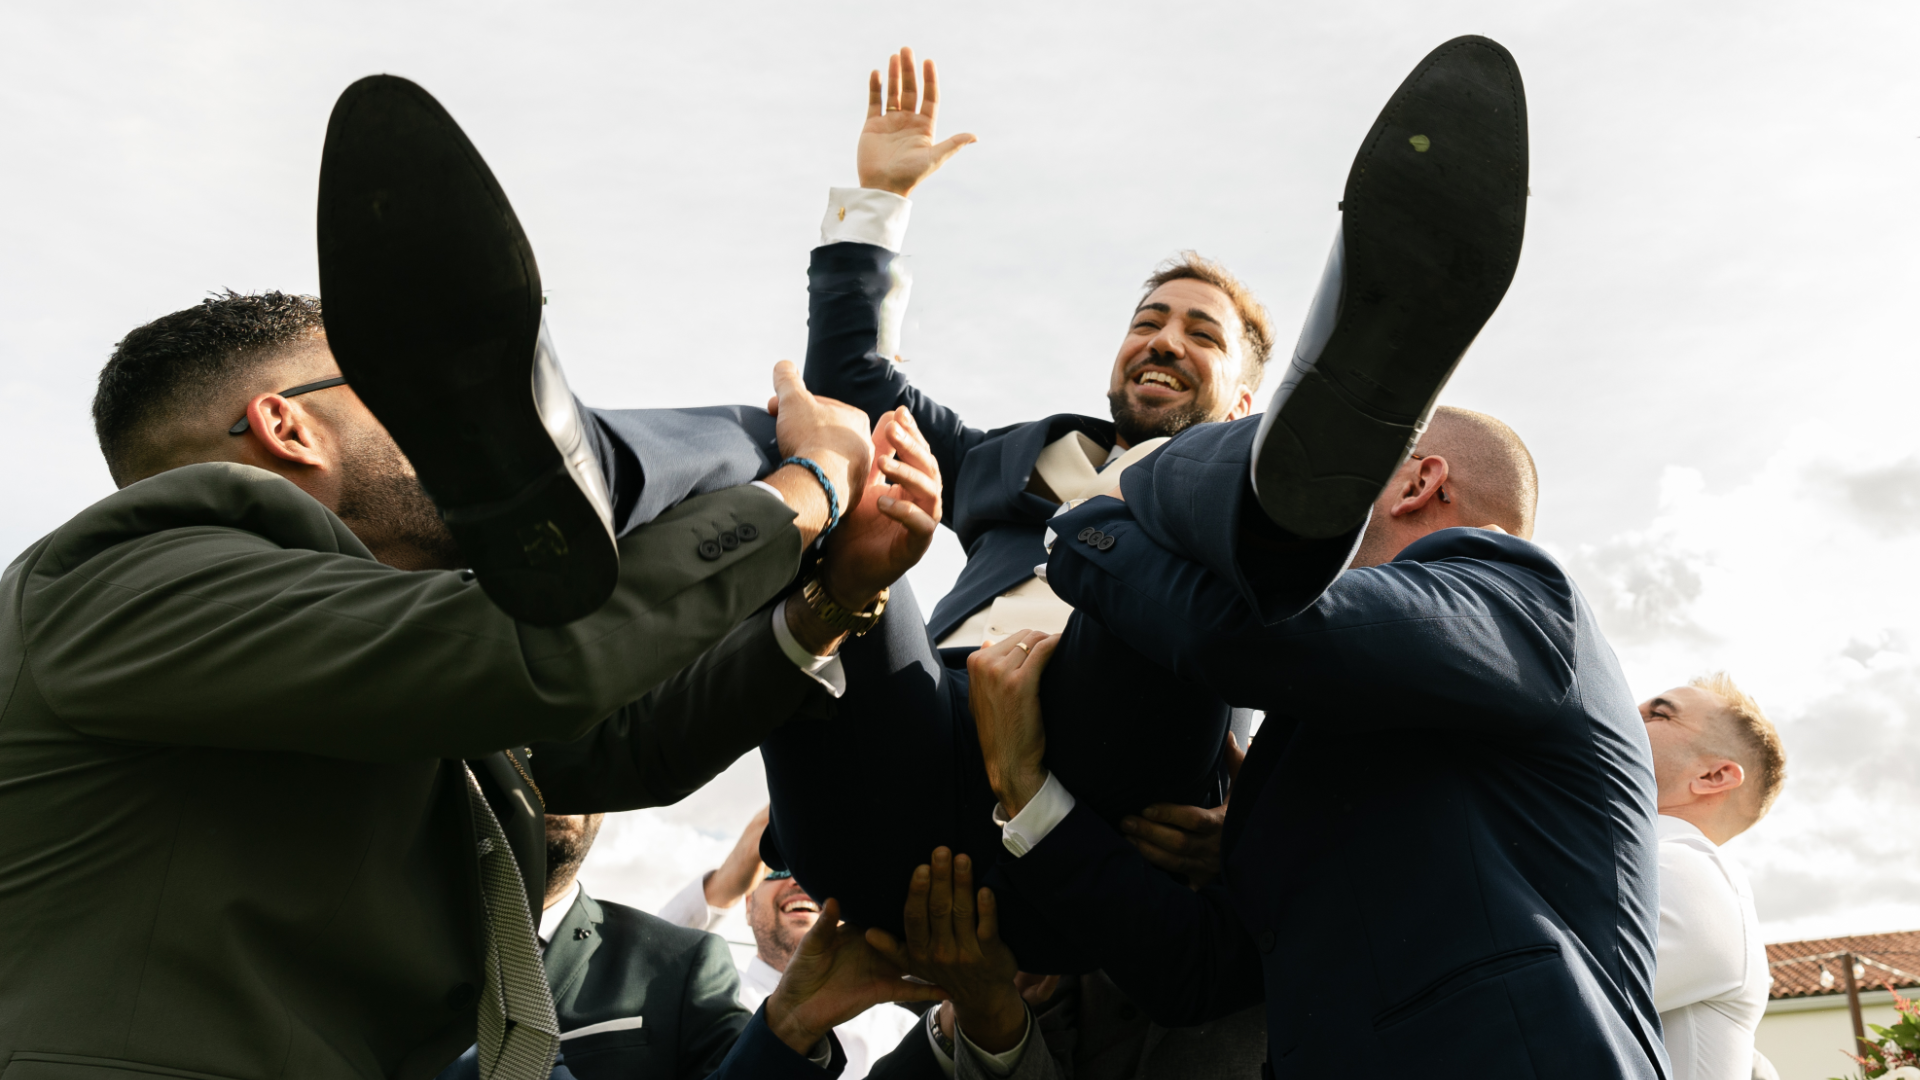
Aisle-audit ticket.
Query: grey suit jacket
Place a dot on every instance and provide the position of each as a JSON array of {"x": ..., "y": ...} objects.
[{"x": 236, "y": 838}]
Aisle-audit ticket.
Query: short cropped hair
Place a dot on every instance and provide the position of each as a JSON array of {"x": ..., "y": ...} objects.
[
  {"x": 1496, "y": 477},
  {"x": 1256, "y": 330},
  {"x": 182, "y": 363},
  {"x": 1756, "y": 741}
]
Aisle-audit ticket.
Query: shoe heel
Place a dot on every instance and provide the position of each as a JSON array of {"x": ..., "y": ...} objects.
[
  {"x": 1322, "y": 492},
  {"x": 546, "y": 555}
]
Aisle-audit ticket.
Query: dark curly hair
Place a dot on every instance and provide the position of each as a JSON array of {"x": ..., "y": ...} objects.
[{"x": 181, "y": 363}]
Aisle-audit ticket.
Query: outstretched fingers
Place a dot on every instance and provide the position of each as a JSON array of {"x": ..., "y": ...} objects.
[
  {"x": 966, "y": 937},
  {"x": 893, "y": 83},
  {"x": 940, "y": 903},
  {"x": 875, "y": 103},
  {"x": 909, "y": 81}
]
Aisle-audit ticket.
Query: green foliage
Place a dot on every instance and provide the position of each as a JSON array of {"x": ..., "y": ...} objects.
[{"x": 1898, "y": 1045}]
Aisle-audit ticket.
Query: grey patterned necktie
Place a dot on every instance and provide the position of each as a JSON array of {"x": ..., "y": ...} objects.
[{"x": 518, "y": 1032}]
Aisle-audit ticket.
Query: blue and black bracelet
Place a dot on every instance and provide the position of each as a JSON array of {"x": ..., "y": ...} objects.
[{"x": 833, "y": 501}]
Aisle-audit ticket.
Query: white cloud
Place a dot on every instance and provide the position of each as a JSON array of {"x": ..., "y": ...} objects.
[{"x": 1797, "y": 580}]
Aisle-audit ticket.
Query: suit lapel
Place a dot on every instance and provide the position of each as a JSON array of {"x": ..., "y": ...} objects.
[
  {"x": 570, "y": 949},
  {"x": 505, "y": 778}
]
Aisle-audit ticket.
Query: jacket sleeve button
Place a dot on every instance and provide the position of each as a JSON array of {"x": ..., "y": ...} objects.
[
  {"x": 728, "y": 541},
  {"x": 709, "y": 549},
  {"x": 1086, "y": 532},
  {"x": 1106, "y": 542},
  {"x": 747, "y": 532}
]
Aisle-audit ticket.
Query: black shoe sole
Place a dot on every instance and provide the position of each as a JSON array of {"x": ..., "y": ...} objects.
[
  {"x": 1431, "y": 226},
  {"x": 432, "y": 307}
]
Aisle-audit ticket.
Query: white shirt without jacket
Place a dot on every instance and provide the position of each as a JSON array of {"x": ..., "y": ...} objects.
[{"x": 1710, "y": 983}]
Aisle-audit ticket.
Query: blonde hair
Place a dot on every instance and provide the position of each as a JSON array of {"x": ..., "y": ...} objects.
[{"x": 1759, "y": 751}]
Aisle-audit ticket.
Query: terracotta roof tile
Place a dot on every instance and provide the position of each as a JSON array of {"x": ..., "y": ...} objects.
[{"x": 1892, "y": 961}]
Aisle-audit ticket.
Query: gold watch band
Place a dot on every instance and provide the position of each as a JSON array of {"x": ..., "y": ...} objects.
[{"x": 836, "y": 617}]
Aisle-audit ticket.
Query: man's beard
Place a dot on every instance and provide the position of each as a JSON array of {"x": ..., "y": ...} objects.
[
  {"x": 1135, "y": 425},
  {"x": 567, "y": 848},
  {"x": 382, "y": 501}
]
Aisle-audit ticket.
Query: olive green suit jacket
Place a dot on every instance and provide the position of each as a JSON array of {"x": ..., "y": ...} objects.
[{"x": 234, "y": 837}]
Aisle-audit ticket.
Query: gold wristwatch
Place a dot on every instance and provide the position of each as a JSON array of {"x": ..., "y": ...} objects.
[{"x": 839, "y": 618}]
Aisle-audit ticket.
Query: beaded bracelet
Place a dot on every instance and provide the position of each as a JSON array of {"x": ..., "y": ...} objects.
[{"x": 833, "y": 501}]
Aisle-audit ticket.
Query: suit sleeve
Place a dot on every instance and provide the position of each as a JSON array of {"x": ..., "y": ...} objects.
[
  {"x": 217, "y": 636},
  {"x": 667, "y": 745},
  {"x": 912, "y": 1059},
  {"x": 711, "y": 1018},
  {"x": 1182, "y": 956},
  {"x": 846, "y": 286},
  {"x": 1477, "y": 639},
  {"x": 760, "y": 1055}
]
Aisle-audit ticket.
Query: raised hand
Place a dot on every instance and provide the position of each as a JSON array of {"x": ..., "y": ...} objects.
[
  {"x": 890, "y": 528},
  {"x": 897, "y": 150},
  {"x": 957, "y": 946},
  {"x": 1185, "y": 840},
  {"x": 833, "y": 977}
]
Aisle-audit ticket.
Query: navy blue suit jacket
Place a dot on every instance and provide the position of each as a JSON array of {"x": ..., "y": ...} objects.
[
  {"x": 1000, "y": 523},
  {"x": 1440, "y": 850}
]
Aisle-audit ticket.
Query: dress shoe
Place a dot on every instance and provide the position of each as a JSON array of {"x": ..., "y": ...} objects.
[
  {"x": 433, "y": 308},
  {"x": 1429, "y": 238}
]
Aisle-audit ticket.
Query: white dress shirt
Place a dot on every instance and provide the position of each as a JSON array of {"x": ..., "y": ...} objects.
[{"x": 1710, "y": 982}]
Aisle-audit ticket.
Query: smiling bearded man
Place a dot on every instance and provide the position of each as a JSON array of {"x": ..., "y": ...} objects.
[{"x": 780, "y": 913}]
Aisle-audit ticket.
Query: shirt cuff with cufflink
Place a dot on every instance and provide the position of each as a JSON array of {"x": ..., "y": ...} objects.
[
  {"x": 865, "y": 216},
  {"x": 1024, "y": 831},
  {"x": 822, "y": 1054},
  {"x": 1001, "y": 1064}
]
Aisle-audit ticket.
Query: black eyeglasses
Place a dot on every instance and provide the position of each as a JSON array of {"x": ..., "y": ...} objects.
[{"x": 304, "y": 388}]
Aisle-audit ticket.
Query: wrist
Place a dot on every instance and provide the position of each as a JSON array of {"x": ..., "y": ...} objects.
[
  {"x": 1016, "y": 786},
  {"x": 809, "y": 631},
  {"x": 788, "y": 1028},
  {"x": 996, "y": 1027},
  {"x": 805, "y": 497}
]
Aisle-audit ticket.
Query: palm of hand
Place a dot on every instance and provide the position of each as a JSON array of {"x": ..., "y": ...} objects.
[
  {"x": 896, "y": 151},
  {"x": 840, "y": 981}
]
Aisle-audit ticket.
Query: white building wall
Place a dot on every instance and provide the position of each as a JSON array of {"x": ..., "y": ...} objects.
[{"x": 1807, "y": 1038}]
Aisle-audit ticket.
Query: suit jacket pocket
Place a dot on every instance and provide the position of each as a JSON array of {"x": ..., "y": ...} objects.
[
  {"x": 1461, "y": 979},
  {"x": 26, "y": 1065},
  {"x": 605, "y": 1055}
]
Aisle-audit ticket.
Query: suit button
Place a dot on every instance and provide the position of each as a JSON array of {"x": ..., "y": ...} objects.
[
  {"x": 1265, "y": 941},
  {"x": 709, "y": 549},
  {"x": 1093, "y": 537},
  {"x": 728, "y": 541},
  {"x": 747, "y": 532},
  {"x": 1105, "y": 542},
  {"x": 462, "y": 997},
  {"x": 1086, "y": 532}
]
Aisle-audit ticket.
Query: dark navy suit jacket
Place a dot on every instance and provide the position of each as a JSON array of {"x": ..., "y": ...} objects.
[
  {"x": 1000, "y": 523},
  {"x": 1440, "y": 850}
]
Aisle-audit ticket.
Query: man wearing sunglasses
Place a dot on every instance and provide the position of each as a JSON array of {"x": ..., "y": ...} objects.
[{"x": 274, "y": 770}]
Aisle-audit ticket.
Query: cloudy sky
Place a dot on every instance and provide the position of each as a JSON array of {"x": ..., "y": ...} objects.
[{"x": 1711, "y": 345}]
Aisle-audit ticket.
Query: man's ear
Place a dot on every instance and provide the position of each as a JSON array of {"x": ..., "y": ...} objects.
[
  {"x": 1419, "y": 487},
  {"x": 1721, "y": 775},
  {"x": 283, "y": 429},
  {"x": 1243, "y": 405}
]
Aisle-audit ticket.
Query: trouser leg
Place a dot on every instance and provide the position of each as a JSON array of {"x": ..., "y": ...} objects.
[
  {"x": 864, "y": 796},
  {"x": 656, "y": 458},
  {"x": 1195, "y": 498}
]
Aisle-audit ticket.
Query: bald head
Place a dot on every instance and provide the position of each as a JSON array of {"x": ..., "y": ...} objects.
[
  {"x": 1469, "y": 471},
  {"x": 1490, "y": 474}
]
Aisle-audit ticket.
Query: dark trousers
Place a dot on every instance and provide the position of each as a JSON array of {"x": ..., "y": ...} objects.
[{"x": 863, "y": 797}]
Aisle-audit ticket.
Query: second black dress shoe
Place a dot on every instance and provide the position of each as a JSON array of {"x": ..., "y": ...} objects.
[
  {"x": 433, "y": 308},
  {"x": 1430, "y": 230}
]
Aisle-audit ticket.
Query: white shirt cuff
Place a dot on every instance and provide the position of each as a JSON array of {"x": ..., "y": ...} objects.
[
  {"x": 996, "y": 1064},
  {"x": 689, "y": 907},
  {"x": 770, "y": 489},
  {"x": 825, "y": 670},
  {"x": 822, "y": 1054},
  {"x": 1035, "y": 820},
  {"x": 865, "y": 216}
]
